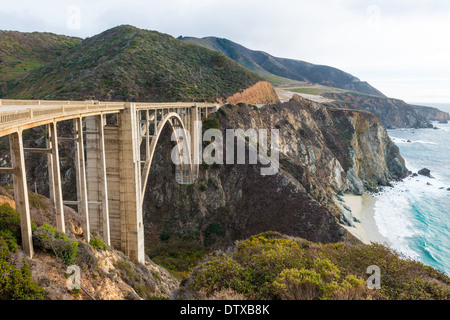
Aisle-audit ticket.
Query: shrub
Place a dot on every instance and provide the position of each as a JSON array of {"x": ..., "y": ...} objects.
[
  {"x": 48, "y": 238},
  {"x": 221, "y": 273},
  {"x": 211, "y": 233},
  {"x": 351, "y": 288},
  {"x": 97, "y": 244},
  {"x": 209, "y": 123},
  {"x": 295, "y": 284},
  {"x": 15, "y": 284},
  {"x": 10, "y": 220}
]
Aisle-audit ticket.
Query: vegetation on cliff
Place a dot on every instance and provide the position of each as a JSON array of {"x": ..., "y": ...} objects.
[
  {"x": 130, "y": 64},
  {"x": 15, "y": 276},
  {"x": 273, "y": 266}
]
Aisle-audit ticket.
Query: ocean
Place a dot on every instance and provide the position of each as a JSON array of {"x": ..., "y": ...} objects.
[{"x": 414, "y": 215}]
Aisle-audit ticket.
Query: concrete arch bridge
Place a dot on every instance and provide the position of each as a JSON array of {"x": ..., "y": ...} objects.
[{"x": 112, "y": 160}]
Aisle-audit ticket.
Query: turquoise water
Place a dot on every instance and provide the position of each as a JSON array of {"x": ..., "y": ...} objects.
[{"x": 414, "y": 215}]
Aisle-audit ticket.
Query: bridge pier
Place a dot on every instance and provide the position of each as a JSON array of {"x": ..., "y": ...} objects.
[
  {"x": 21, "y": 191},
  {"x": 55, "y": 176},
  {"x": 97, "y": 182},
  {"x": 80, "y": 166},
  {"x": 129, "y": 167}
]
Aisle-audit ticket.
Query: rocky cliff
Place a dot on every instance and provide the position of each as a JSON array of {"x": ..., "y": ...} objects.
[
  {"x": 432, "y": 114},
  {"x": 323, "y": 151},
  {"x": 393, "y": 113}
]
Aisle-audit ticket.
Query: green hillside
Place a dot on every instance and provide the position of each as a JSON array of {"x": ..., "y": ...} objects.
[
  {"x": 282, "y": 71},
  {"x": 22, "y": 52},
  {"x": 130, "y": 64}
]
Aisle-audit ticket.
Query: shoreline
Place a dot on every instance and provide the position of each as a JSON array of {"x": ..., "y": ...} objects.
[{"x": 363, "y": 209}]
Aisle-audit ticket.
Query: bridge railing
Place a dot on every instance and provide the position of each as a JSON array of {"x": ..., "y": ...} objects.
[
  {"x": 21, "y": 112},
  {"x": 14, "y": 113}
]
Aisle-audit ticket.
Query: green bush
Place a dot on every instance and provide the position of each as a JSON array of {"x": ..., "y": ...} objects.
[
  {"x": 211, "y": 233},
  {"x": 98, "y": 244},
  {"x": 295, "y": 284},
  {"x": 222, "y": 273},
  {"x": 15, "y": 284},
  {"x": 209, "y": 123},
  {"x": 48, "y": 238},
  {"x": 10, "y": 220}
]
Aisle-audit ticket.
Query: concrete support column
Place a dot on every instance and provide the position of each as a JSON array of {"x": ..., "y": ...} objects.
[
  {"x": 195, "y": 131},
  {"x": 83, "y": 208},
  {"x": 55, "y": 184},
  {"x": 114, "y": 184},
  {"x": 21, "y": 191},
  {"x": 132, "y": 237},
  {"x": 97, "y": 185}
]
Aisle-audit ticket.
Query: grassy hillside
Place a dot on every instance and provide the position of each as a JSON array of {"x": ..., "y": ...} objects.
[
  {"x": 127, "y": 63},
  {"x": 22, "y": 52},
  {"x": 284, "y": 71}
]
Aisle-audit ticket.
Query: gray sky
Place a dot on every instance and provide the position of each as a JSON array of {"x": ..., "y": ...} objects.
[{"x": 399, "y": 46}]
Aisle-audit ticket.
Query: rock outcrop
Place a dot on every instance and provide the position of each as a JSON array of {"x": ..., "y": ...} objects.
[
  {"x": 393, "y": 113},
  {"x": 261, "y": 93},
  {"x": 433, "y": 114}
]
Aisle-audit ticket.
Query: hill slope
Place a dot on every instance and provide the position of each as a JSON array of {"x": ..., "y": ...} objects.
[
  {"x": 127, "y": 63},
  {"x": 22, "y": 52},
  {"x": 269, "y": 66}
]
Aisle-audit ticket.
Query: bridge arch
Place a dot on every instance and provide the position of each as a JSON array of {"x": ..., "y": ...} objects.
[{"x": 176, "y": 122}]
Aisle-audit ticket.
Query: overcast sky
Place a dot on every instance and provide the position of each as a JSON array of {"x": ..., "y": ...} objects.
[{"x": 401, "y": 47}]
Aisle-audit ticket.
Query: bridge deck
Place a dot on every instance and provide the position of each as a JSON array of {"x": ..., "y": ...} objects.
[{"x": 32, "y": 113}]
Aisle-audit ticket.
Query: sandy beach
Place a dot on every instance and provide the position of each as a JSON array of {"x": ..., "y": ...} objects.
[{"x": 363, "y": 209}]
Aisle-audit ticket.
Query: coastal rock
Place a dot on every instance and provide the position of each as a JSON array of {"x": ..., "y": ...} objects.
[
  {"x": 355, "y": 182},
  {"x": 425, "y": 172},
  {"x": 433, "y": 114},
  {"x": 393, "y": 113}
]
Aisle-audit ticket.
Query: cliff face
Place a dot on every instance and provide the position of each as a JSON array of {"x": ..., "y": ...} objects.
[
  {"x": 323, "y": 151},
  {"x": 393, "y": 113},
  {"x": 261, "y": 93},
  {"x": 432, "y": 114}
]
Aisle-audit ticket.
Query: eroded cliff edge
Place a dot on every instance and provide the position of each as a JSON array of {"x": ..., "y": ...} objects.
[{"x": 323, "y": 152}]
